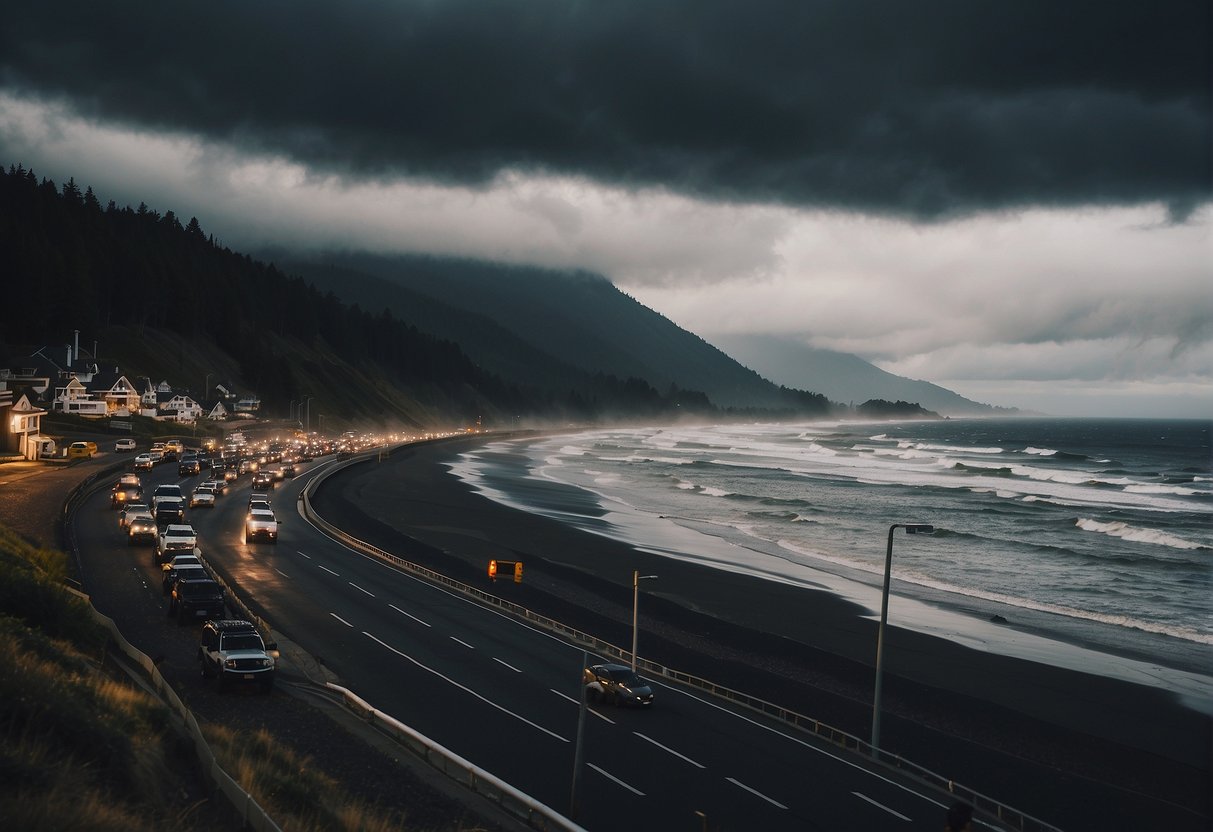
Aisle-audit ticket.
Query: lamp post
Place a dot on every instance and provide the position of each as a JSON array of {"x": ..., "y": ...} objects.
[
  {"x": 911, "y": 528},
  {"x": 636, "y": 579}
]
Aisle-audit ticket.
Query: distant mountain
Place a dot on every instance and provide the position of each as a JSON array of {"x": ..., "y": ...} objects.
[
  {"x": 842, "y": 377},
  {"x": 522, "y": 323}
]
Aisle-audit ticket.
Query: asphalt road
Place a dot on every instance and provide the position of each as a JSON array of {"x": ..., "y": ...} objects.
[{"x": 493, "y": 690}]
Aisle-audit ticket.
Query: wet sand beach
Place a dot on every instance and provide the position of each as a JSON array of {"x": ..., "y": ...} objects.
[{"x": 1109, "y": 754}]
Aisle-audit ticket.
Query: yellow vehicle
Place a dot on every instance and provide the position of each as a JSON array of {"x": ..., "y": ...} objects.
[{"x": 81, "y": 450}]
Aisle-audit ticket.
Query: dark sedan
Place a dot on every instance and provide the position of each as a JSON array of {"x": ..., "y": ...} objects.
[{"x": 616, "y": 684}]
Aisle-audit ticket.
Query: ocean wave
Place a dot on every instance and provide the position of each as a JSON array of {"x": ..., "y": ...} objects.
[
  {"x": 1146, "y": 488},
  {"x": 927, "y": 446},
  {"x": 1137, "y": 535}
]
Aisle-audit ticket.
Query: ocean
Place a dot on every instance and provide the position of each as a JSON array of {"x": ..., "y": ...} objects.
[{"x": 1091, "y": 538}]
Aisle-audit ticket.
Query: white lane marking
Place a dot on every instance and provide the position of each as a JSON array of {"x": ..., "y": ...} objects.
[
  {"x": 670, "y": 750},
  {"x": 360, "y": 589},
  {"x": 507, "y": 664},
  {"x": 306, "y": 555},
  {"x": 463, "y": 688},
  {"x": 410, "y": 615},
  {"x": 575, "y": 702},
  {"x": 805, "y": 744},
  {"x": 632, "y": 789},
  {"x": 880, "y": 806},
  {"x": 464, "y": 643},
  {"x": 326, "y": 569},
  {"x": 342, "y": 620},
  {"x": 563, "y": 643},
  {"x": 280, "y": 572},
  {"x": 756, "y": 793}
]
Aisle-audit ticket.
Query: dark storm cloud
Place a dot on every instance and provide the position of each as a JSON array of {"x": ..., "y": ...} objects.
[{"x": 916, "y": 109}]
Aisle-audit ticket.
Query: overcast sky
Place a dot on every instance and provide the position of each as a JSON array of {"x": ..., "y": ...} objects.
[{"x": 1012, "y": 200}]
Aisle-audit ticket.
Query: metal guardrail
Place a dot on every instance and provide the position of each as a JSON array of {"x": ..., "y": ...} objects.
[
  {"x": 536, "y": 814},
  {"x": 986, "y": 806}
]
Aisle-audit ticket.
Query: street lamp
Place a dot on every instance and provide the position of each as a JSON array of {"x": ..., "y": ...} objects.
[
  {"x": 911, "y": 528},
  {"x": 636, "y": 579}
]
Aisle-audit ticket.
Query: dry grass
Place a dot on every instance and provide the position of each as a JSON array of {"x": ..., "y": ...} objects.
[{"x": 81, "y": 749}]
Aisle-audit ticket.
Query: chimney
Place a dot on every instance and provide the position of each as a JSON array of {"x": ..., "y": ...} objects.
[
  {"x": 69, "y": 356},
  {"x": 76, "y": 353}
]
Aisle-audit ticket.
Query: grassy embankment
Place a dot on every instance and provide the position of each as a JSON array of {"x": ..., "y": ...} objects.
[{"x": 84, "y": 748}]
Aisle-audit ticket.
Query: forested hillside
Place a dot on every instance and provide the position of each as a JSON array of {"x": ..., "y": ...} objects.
[{"x": 137, "y": 280}]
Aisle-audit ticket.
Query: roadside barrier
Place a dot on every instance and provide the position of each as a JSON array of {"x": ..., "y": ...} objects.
[
  {"x": 536, "y": 814},
  {"x": 986, "y": 806}
]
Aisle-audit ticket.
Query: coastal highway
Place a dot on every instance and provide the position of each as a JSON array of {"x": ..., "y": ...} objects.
[{"x": 499, "y": 692}]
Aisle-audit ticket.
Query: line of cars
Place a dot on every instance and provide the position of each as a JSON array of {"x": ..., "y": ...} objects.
[{"x": 230, "y": 650}]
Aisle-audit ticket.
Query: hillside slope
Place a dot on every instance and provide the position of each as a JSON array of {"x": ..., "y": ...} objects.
[{"x": 516, "y": 320}]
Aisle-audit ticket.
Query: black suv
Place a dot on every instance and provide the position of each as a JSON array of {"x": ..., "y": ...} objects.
[
  {"x": 169, "y": 511},
  {"x": 189, "y": 465},
  {"x": 195, "y": 600},
  {"x": 234, "y": 651}
]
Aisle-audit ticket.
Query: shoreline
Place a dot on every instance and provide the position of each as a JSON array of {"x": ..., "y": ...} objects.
[
  {"x": 987, "y": 623},
  {"x": 807, "y": 649}
]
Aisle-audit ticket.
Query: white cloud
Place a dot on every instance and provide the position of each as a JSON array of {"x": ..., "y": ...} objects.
[{"x": 1093, "y": 305}]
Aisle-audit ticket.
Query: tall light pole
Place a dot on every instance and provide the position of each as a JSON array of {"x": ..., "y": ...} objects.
[
  {"x": 636, "y": 579},
  {"x": 911, "y": 528}
]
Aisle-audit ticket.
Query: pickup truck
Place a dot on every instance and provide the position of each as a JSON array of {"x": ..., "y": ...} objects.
[
  {"x": 175, "y": 539},
  {"x": 234, "y": 651}
]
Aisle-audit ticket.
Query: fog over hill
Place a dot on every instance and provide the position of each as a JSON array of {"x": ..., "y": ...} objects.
[
  {"x": 527, "y": 322},
  {"x": 841, "y": 377}
]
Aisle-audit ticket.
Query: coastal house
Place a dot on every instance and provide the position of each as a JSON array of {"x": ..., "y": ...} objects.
[
  {"x": 21, "y": 425},
  {"x": 71, "y": 396},
  {"x": 119, "y": 395},
  {"x": 248, "y": 404},
  {"x": 216, "y": 411},
  {"x": 177, "y": 407}
]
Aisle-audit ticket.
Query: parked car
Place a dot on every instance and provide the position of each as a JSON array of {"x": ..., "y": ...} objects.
[
  {"x": 234, "y": 651},
  {"x": 141, "y": 527},
  {"x": 260, "y": 524},
  {"x": 174, "y": 539},
  {"x": 617, "y": 684},
  {"x": 195, "y": 600},
  {"x": 124, "y": 445},
  {"x": 203, "y": 497},
  {"x": 144, "y": 462}
]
